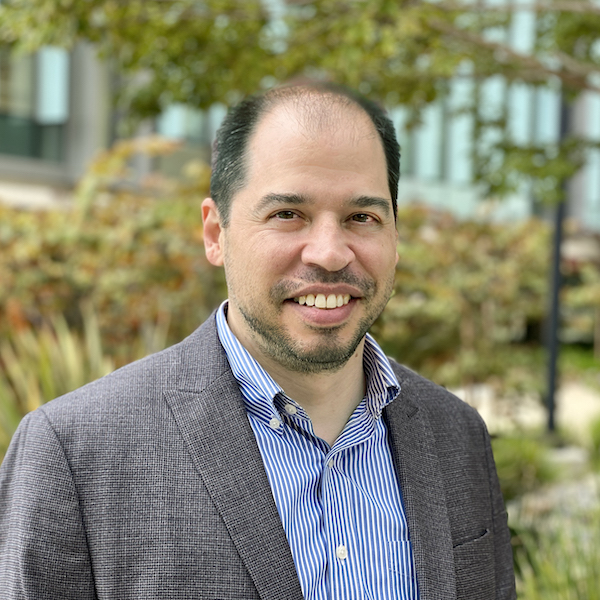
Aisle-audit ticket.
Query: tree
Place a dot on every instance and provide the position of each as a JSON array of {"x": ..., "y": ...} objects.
[
  {"x": 410, "y": 52},
  {"x": 404, "y": 52}
]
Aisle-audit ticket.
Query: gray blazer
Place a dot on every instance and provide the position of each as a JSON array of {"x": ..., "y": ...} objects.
[{"x": 148, "y": 484}]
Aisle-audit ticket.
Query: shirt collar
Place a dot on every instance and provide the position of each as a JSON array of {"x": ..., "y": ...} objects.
[{"x": 260, "y": 390}]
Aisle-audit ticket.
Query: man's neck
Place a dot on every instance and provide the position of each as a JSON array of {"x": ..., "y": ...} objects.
[{"x": 328, "y": 398}]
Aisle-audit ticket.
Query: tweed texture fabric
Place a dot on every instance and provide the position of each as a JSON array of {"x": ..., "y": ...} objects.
[{"x": 148, "y": 483}]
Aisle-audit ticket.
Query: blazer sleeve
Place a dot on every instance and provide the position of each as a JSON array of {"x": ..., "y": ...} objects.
[{"x": 43, "y": 548}]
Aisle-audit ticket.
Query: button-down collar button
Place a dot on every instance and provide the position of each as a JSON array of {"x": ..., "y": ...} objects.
[
  {"x": 341, "y": 552},
  {"x": 290, "y": 409},
  {"x": 274, "y": 423}
]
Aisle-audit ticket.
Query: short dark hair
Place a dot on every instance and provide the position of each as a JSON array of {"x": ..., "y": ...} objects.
[{"x": 231, "y": 143}]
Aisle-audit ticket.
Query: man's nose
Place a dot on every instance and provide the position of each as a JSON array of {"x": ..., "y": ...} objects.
[{"x": 327, "y": 247}]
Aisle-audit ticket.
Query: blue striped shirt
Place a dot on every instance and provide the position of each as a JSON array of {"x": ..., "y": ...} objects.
[{"x": 340, "y": 506}]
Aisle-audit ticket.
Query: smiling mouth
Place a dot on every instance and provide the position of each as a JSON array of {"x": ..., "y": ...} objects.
[{"x": 322, "y": 301}]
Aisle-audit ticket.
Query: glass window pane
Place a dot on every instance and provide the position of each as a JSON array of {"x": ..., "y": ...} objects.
[{"x": 52, "y": 92}]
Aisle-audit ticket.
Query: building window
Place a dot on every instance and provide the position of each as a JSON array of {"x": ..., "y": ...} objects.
[{"x": 34, "y": 104}]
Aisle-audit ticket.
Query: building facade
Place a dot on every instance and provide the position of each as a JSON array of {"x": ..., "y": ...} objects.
[{"x": 54, "y": 117}]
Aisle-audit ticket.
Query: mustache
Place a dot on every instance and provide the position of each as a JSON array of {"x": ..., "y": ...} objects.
[{"x": 315, "y": 275}]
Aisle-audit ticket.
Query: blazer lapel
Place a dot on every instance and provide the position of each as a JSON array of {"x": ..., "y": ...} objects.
[
  {"x": 214, "y": 424},
  {"x": 421, "y": 485}
]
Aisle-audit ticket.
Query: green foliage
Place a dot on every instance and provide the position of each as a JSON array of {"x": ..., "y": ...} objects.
[
  {"x": 522, "y": 464},
  {"x": 545, "y": 166},
  {"x": 577, "y": 362},
  {"x": 399, "y": 51},
  {"x": 164, "y": 52},
  {"x": 582, "y": 299},
  {"x": 407, "y": 53},
  {"x": 595, "y": 443},
  {"x": 92, "y": 286},
  {"x": 41, "y": 365},
  {"x": 560, "y": 560},
  {"x": 465, "y": 291}
]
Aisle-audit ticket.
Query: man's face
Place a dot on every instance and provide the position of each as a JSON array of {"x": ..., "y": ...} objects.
[{"x": 310, "y": 248}]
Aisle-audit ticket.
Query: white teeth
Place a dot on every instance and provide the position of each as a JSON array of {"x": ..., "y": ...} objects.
[{"x": 323, "y": 301}]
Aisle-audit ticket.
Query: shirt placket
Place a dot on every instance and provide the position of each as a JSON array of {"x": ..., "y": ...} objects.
[
  {"x": 345, "y": 579},
  {"x": 336, "y": 532}
]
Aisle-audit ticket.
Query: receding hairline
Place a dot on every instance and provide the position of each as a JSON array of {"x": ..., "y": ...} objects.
[
  {"x": 315, "y": 111},
  {"x": 312, "y": 107}
]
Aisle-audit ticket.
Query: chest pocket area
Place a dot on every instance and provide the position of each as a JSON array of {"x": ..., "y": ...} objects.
[
  {"x": 475, "y": 568},
  {"x": 401, "y": 567}
]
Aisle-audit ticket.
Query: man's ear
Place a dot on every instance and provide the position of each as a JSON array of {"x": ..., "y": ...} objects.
[{"x": 213, "y": 232}]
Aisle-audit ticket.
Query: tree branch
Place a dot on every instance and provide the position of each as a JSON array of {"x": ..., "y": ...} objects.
[
  {"x": 571, "y": 6},
  {"x": 571, "y": 72}
]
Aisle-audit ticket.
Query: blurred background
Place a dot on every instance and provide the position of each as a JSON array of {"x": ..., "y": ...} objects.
[{"x": 107, "y": 113}]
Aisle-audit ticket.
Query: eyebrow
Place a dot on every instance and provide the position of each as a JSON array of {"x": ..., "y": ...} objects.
[
  {"x": 297, "y": 199},
  {"x": 372, "y": 201},
  {"x": 278, "y": 199}
]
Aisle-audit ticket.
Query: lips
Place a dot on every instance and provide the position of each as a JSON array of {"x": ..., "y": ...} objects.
[{"x": 324, "y": 301}]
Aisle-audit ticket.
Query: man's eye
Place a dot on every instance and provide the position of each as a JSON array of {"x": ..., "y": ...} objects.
[
  {"x": 361, "y": 218},
  {"x": 285, "y": 214}
]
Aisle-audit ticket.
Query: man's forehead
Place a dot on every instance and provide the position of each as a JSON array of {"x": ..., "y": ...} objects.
[{"x": 314, "y": 117}]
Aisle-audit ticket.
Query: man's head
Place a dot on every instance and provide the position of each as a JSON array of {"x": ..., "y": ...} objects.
[
  {"x": 229, "y": 166},
  {"x": 309, "y": 245}
]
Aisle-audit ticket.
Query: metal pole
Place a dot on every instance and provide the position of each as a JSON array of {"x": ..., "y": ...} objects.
[
  {"x": 554, "y": 317},
  {"x": 553, "y": 346}
]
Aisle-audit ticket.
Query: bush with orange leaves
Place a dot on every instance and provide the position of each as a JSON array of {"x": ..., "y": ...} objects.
[{"x": 131, "y": 249}]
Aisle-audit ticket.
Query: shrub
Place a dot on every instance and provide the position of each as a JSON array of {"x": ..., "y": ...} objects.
[
  {"x": 561, "y": 559},
  {"x": 522, "y": 464},
  {"x": 465, "y": 294},
  {"x": 595, "y": 443},
  {"x": 134, "y": 252}
]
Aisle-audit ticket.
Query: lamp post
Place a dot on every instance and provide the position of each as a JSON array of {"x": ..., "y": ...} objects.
[{"x": 552, "y": 342}]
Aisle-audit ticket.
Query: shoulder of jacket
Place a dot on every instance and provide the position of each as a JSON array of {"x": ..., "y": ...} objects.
[
  {"x": 141, "y": 381},
  {"x": 430, "y": 396}
]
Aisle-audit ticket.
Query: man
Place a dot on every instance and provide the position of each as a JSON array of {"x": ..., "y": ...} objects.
[{"x": 275, "y": 453}]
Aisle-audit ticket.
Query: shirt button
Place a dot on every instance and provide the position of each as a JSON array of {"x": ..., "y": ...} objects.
[
  {"x": 330, "y": 463},
  {"x": 341, "y": 552},
  {"x": 290, "y": 409},
  {"x": 274, "y": 423}
]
